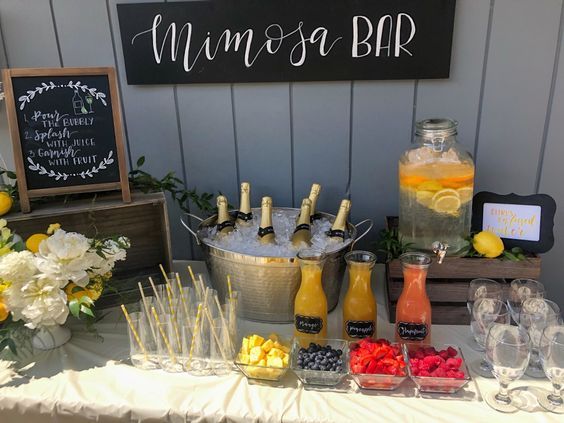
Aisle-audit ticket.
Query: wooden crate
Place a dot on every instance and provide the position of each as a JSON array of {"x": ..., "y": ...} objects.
[
  {"x": 447, "y": 283},
  {"x": 144, "y": 221}
]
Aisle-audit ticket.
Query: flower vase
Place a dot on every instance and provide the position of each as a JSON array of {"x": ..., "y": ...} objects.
[{"x": 50, "y": 337}]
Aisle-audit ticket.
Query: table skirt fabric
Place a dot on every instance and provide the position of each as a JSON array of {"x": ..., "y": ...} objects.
[{"x": 90, "y": 380}]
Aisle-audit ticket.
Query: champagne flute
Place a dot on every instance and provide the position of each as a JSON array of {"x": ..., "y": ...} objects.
[
  {"x": 508, "y": 350},
  {"x": 486, "y": 312},
  {"x": 519, "y": 291},
  {"x": 536, "y": 314},
  {"x": 483, "y": 288},
  {"x": 552, "y": 357}
]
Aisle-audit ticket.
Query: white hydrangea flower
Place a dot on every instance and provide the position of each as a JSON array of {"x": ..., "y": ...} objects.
[
  {"x": 18, "y": 267},
  {"x": 39, "y": 302},
  {"x": 64, "y": 257}
]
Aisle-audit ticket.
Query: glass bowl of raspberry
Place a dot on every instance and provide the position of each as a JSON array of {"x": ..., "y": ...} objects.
[
  {"x": 437, "y": 370},
  {"x": 377, "y": 364}
]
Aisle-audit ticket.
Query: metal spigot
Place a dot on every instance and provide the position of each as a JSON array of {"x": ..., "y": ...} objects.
[{"x": 440, "y": 250}]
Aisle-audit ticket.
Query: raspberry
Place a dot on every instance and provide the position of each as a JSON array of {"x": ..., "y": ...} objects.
[
  {"x": 423, "y": 373},
  {"x": 452, "y": 352},
  {"x": 459, "y": 375},
  {"x": 430, "y": 351},
  {"x": 440, "y": 372},
  {"x": 454, "y": 363},
  {"x": 444, "y": 354}
]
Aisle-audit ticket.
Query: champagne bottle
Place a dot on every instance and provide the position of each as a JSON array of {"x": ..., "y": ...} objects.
[
  {"x": 245, "y": 215},
  {"x": 313, "y": 196},
  {"x": 224, "y": 223},
  {"x": 302, "y": 233},
  {"x": 266, "y": 231},
  {"x": 338, "y": 230}
]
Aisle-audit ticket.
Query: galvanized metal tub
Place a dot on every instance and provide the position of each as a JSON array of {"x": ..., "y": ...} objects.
[{"x": 268, "y": 285}]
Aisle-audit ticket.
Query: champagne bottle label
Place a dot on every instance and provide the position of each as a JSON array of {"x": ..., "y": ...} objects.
[
  {"x": 223, "y": 225},
  {"x": 336, "y": 233},
  {"x": 265, "y": 231},
  {"x": 308, "y": 324},
  {"x": 245, "y": 217},
  {"x": 410, "y": 331},
  {"x": 360, "y": 328},
  {"x": 301, "y": 227}
]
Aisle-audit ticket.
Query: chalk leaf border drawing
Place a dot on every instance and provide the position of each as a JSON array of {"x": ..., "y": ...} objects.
[
  {"x": 64, "y": 176},
  {"x": 26, "y": 99}
]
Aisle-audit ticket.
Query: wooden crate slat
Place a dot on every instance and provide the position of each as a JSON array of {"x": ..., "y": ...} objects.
[{"x": 456, "y": 267}]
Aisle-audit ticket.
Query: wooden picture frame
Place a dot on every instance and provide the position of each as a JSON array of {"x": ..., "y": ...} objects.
[{"x": 27, "y": 192}]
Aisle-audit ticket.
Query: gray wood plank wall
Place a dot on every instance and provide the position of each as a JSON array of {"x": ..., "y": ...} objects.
[{"x": 506, "y": 90}]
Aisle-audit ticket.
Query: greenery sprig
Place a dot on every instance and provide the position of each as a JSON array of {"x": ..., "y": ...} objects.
[
  {"x": 391, "y": 244},
  {"x": 145, "y": 182}
]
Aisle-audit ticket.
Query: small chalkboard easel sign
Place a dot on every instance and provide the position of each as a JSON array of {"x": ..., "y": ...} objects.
[{"x": 66, "y": 128}]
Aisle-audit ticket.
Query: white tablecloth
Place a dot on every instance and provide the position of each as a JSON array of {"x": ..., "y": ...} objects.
[{"x": 89, "y": 379}]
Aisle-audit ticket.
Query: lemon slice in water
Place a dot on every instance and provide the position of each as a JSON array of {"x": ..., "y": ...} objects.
[{"x": 449, "y": 204}]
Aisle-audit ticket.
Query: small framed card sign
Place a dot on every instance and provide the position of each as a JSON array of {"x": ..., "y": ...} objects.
[
  {"x": 66, "y": 129},
  {"x": 521, "y": 221}
]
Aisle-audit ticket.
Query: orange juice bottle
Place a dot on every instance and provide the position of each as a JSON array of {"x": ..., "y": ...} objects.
[
  {"x": 310, "y": 305},
  {"x": 359, "y": 307},
  {"x": 413, "y": 311}
]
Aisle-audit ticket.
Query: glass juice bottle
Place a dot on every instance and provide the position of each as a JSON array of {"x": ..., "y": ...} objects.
[
  {"x": 436, "y": 186},
  {"x": 413, "y": 310},
  {"x": 310, "y": 305},
  {"x": 359, "y": 306}
]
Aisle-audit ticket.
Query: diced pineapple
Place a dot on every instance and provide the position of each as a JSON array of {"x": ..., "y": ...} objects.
[
  {"x": 256, "y": 355},
  {"x": 267, "y": 346},
  {"x": 245, "y": 346},
  {"x": 275, "y": 362},
  {"x": 285, "y": 349},
  {"x": 273, "y": 336},
  {"x": 286, "y": 360},
  {"x": 256, "y": 341},
  {"x": 275, "y": 352},
  {"x": 243, "y": 358},
  {"x": 262, "y": 363}
]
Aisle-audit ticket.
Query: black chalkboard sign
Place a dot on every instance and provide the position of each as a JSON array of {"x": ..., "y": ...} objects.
[
  {"x": 286, "y": 40},
  {"x": 66, "y": 129}
]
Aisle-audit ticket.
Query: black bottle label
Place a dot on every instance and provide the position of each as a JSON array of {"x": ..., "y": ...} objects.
[
  {"x": 301, "y": 227},
  {"x": 315, "y": 216},
  {"x": 245, "y": 217},
  {"x": 412, "y": 331},
  {"x": 360, "y": 328},
  {"x": 308, "y": 324},
  {"x": 223, "y": 225},
  {"x": 265, "y": 231},
  {"x": 336, "y": 233}
]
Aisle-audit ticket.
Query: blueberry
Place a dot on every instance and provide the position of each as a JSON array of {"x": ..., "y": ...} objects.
[
  {"x": 303, "y": 350},
  {"x": 339, "y": 362},
  {"x": 339, "y": 352},
  {"x": 315, "y": 367}
]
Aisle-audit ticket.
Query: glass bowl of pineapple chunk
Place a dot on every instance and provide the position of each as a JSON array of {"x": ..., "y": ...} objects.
[{"x": 263, "y": 357}]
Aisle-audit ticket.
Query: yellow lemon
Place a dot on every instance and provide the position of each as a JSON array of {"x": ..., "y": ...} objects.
[
  {"x": 430, "y": 186},
  {"x": 448, "y": 204},
  {"x": 32, "y": 243},
  {"x": 465, "y": 194},
  {"x": 424, "y": 198},
  {"x": 6, "y": 203},
  {"x": 488, "y": 244},
  {"x": 93, "y": 292},
  {"x": 4, "y": 313}
]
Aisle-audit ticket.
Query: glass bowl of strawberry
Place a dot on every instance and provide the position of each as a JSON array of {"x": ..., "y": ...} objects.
[
  {"x": 377, "y": 364},
  {"x": 435, "y": 370}
]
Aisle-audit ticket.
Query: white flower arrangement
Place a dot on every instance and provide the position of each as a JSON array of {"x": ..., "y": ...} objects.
[{"x": 63, "y": 273}]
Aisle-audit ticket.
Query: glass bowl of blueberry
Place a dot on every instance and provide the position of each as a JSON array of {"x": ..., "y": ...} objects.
[{"x": 322, "y": 362}]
